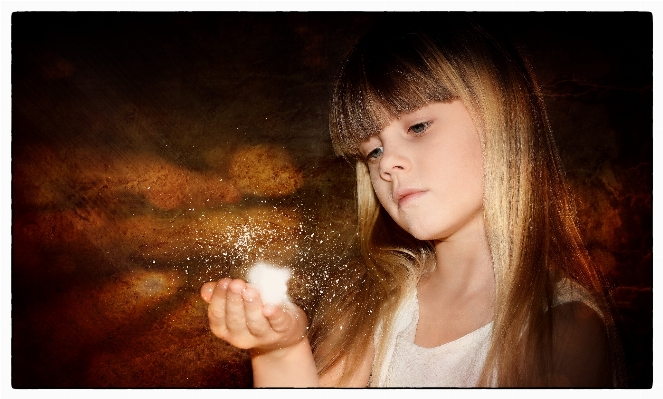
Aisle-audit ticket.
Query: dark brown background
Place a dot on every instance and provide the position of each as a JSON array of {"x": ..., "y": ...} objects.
[{"x": 154, "y": 152}]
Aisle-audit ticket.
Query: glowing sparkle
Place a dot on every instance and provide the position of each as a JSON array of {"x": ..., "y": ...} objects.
[{"x": 271, "y": 282}]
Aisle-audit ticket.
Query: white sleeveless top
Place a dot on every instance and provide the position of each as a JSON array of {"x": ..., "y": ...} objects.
[{"x": 455, "y": 364}]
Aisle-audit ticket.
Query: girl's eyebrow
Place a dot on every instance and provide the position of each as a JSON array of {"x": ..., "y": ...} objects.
[{"x": 416, "y": 113}]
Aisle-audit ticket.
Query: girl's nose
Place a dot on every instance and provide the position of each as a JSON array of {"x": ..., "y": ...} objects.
[{"x": 392, "y": 162}]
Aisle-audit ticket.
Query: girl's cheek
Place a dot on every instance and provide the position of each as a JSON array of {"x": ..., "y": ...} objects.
[
  {"x": 384, "y": 197},
  {"x": 378, "y": 188}
]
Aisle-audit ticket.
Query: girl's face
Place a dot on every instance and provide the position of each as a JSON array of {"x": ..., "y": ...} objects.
[{"x": 427, "y": 171}]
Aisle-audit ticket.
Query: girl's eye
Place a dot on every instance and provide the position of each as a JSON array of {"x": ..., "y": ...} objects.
[
  {"x": 419, "y": 127},
  {"x": 374, "y": 154}
]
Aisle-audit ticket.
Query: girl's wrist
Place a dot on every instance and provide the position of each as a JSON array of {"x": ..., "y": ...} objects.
[
  {"x": 290, "y": 366},
  {"x": 278, "y": 352}
]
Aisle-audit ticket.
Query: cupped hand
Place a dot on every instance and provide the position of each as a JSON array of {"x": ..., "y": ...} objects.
[{"x": 238, "y": 316}]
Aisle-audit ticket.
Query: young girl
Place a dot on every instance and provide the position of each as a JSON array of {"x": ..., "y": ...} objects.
[{"x": 472, "y": 272}]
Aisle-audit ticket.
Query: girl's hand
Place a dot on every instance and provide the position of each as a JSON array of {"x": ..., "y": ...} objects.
[{"x": 238, "y": 316}]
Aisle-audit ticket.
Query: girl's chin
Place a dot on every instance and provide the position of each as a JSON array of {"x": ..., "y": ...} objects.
[
  {"x": 421, "y": 234},
  {"x": 426, "y": 232}
]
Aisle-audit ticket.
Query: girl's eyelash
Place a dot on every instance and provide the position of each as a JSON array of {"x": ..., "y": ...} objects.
[
  {"x": 374, "y": 154},
  {"x": 419, "y": 128},
  {"x": 416, "y": 129}
]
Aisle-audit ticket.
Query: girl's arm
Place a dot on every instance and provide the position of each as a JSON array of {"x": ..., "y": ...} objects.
[
  {"x": 288, "y": 367},
  {"x": 275, "y": 335}
]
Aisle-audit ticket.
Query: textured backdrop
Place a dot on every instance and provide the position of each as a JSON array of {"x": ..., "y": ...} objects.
[{"x": 154, "y": 152}]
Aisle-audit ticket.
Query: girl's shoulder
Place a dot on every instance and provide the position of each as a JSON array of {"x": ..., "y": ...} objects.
[
  {"x": 568, "y": 291},
  {"x": 580, "y": 338}
]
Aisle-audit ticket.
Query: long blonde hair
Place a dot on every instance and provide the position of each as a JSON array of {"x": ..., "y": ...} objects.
[{"x": 528, "y": 211}]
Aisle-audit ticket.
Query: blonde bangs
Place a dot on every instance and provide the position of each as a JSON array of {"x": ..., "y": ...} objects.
[{"x": 378, "y": 84}]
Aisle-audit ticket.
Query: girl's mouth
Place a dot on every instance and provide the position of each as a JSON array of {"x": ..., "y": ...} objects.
[{"x": 406, "y": 195}]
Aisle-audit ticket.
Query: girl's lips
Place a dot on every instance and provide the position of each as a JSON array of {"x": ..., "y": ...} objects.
[{"x": 406, "y": 196}]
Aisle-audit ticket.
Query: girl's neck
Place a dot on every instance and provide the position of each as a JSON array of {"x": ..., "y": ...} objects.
[
  {"x": 464, "y": 264},
  {"x": 460, "y": 288}
]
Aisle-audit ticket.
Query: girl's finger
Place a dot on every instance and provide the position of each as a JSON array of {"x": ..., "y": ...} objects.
[
  {"x": 216, "y": 311},
  {"x": 280, "y": 319},
  {"x": 235, "y": 313},
  {"x": 207, "y": 290},
  {"x": 255, "y": 320}
]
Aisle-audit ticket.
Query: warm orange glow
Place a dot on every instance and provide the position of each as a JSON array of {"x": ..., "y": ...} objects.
[{"x": 265, "y": 170}]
